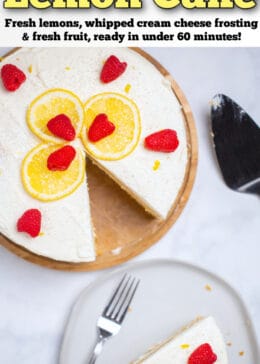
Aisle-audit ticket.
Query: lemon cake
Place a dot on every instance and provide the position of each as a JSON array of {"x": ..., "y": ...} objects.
[
  {"x": 200, "y": 343},
  {"x": 59, "y": 105}
]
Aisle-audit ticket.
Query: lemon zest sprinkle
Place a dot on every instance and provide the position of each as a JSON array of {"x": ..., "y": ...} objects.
[
  {"x": 156, "y": 165},
  {"x": 185, "y": 346},
  {"x": 127, "y": 88},
  {"x": 208, "y": 287}
]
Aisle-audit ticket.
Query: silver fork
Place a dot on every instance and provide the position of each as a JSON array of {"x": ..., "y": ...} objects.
[{"x": 111, "y": 319}]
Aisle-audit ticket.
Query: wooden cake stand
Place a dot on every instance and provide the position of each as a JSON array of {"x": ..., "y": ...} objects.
[{"x": 123, "y": 228}]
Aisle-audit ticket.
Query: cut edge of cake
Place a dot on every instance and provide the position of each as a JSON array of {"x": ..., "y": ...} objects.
[{"x": 145, "y": 204}]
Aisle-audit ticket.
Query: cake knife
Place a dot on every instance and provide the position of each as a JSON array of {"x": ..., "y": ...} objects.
[{"x": 236, "y": 140}]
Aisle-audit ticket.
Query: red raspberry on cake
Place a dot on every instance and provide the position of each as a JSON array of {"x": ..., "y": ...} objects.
[
  {"x": 112, "y": 69},
  {"x": 30, "y": 222},
  {"x": 61, "y": 126},
  {"x": 61, "y": 159},
  {"x": 203, "y": 355},
  {"x": 12, "y": 77},
  {"x": 162, "y": 141},
  {"x": 100, "y": 128}
]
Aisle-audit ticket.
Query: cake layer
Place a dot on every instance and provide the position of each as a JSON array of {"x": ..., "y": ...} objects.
[{"x": 178, "y": 348}]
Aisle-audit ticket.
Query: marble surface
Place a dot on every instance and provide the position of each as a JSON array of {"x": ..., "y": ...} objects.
[{"x": 218, "y": 230}]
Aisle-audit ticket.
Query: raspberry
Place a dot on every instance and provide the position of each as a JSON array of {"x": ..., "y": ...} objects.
[
  {"x": 203, "y": 355},
  {"x": 112, "y": 69},
  {"x": 30, "y": 222},
  {"x": 62, "y": 127},
  {"x": 61, "y": 159},
  {"x": 12, "y": 77},
  {"x": 162, "y": 141},
  {"x": 100, "y": 128}
]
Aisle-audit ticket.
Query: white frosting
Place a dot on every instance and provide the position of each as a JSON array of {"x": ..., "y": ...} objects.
[
  {"x": 201, "y": 332},
  {"x": 66, "y": 223}
]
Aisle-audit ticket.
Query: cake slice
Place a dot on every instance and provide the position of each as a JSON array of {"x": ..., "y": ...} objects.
[{"x": 199, "y": 343}]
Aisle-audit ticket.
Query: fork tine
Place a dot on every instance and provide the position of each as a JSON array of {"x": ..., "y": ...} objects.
[
  {"x": 127, "y": 301},
  {"x": 122, "y": 298},
  {"x": 113, "y": 298}
]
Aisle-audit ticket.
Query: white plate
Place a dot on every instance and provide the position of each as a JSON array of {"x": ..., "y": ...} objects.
[{"x": 170, "y": 295}]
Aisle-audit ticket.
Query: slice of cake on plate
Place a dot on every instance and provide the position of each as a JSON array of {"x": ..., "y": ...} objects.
[
  {"x": 58, "y": 105},
  {"x": 199, "y": 343}
]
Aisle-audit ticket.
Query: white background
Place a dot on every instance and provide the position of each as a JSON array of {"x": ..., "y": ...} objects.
[{"x": 219, "y": 229}]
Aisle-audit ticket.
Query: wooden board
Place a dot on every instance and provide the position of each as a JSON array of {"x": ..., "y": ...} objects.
[{"x": 127, "y": 230}]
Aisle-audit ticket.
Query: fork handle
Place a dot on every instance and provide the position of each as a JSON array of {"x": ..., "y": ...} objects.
[{"x": 96, "y": 351}]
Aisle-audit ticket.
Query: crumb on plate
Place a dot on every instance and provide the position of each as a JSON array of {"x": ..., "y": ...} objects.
[{"x": 208, "y": 287}]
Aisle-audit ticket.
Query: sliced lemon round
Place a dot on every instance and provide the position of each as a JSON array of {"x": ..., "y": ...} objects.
[
  {"x": 124, "y": 114},
  {"x": 46, "y": 185},
  {"x": 50, "y": 104}
]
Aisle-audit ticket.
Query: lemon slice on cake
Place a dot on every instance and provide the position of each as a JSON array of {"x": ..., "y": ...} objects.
[
  {"x": 50, "y": 104},
  {"x": 124, "y": 114},
  {"x": 45, "y": 184}
]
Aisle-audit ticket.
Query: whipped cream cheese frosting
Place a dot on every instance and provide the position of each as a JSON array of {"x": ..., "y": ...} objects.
[
  {"x": 178, "y": 349},
  {"x": 66, "y": 232},
  {"x": 66, "y": 225}
]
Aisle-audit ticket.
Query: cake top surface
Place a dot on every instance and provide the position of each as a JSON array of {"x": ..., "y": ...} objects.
[{"x": 142, "y": 171}]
